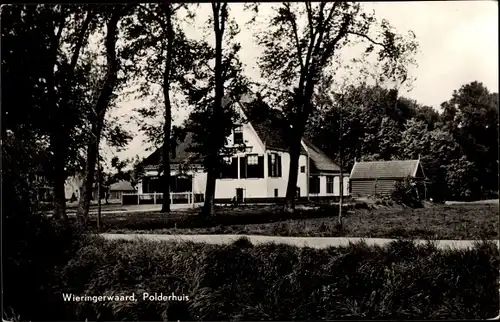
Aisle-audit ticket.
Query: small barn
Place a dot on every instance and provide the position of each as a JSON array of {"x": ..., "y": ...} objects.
[
  {"x": 380, "y": 177},
  {"x": 116, "y": 190}
]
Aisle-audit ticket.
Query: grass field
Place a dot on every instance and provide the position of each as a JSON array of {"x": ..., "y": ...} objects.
[{"x": 461, "y": 221}]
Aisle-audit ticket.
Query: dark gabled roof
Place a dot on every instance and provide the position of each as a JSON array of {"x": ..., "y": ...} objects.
[
  {"x": 121, "y": 186},
  {"x": 271, "y": 130},
  {"x": 385, "y": 169},
  {"x": 320, "y": 162},
  {"x": 181, "y": 153}
]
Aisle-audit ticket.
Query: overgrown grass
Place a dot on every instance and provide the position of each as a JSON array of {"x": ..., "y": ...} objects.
[
  {"x": 437, "y": 222},
  {"x": 279, "y": 282}
]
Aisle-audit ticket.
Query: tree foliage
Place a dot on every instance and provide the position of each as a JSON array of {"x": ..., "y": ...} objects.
[
  {"x": 300, "y": 47},
  {"x": 213, "y": 84},
  {"x": 456, "y": 147}
]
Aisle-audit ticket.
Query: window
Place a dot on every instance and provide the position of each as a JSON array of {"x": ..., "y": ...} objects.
[
  {"x": 252, "y": 159},
  {"x": 238, "y": 135},
  {"x": 274, "y": 165},
  {"x": 229, "y": 168},
  {"x": 303, "y": 169},
  {"x": 252, "y": 166},
  {"x": 314, "y": 185},
  {"x": 329, "y": 184}
]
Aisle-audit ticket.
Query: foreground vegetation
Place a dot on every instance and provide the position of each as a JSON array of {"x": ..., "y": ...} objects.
[
  {"x": 437, "y": 222},
  {"x": 278, "y": 282}
]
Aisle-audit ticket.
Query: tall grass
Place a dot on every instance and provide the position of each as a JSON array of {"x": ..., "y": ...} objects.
[{"x": 279, "y": 282}]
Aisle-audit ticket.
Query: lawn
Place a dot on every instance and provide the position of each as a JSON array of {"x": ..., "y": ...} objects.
[{"x": 461, "y": 221}]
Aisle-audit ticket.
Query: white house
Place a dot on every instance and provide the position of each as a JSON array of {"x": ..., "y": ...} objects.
[{"x": 258, "y": 173}]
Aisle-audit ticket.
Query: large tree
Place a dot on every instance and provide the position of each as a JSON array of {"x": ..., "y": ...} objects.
[
  {"x": 299, "y": 45},
  {"x": 53, "y": 83},
  {"x": 104, "y": 95},
  {"x": 155, "y": 36},
  {"x": 472, "y": 116},
  {"x": 372, "y": 123},
  {"x": 214, "y": 83}
]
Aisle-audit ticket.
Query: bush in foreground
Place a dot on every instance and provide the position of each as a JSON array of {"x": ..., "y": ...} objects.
[{"x": 279, "y": 282}]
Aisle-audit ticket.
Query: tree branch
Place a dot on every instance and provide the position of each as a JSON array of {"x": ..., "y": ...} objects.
[
  {"x": 310, "y": 18},
  {"x": 81, "y": 39},
  {"x": 366, "y": 37},
  {"x": 296, "y": 34}
]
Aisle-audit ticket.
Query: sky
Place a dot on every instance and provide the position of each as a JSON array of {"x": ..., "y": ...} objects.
[{"x": 458, "y": 44}]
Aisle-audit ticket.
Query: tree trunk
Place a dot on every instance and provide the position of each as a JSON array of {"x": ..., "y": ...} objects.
[
  {"x": 341, "y": 198},
  {"x": 100, "y": 111},
  {"x": 217, "y": 132},
  {"x": 209, "y": 202},
  {"x": 168, "y": 112},
  {"x": 88, "y": 181},
  {"x": 60, "y": 134},
  {"x": 58, "y": 161},
  {"x": 291, "y": 189},
  {"x": 59, "y": 196}
]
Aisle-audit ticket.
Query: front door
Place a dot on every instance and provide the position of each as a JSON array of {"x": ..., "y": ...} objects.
[{"x": 239, "y": 195}]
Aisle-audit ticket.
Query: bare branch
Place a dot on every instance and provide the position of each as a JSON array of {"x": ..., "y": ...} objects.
[
  {"x": 366, "y": 37},
  {"x": 310, "y": 18}
]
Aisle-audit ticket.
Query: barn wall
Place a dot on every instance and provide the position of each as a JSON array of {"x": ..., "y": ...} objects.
[{"x": 365, "y": 188}]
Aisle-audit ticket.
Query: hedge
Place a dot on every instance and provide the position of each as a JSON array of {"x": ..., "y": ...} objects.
[{"x": 279, "y": 282}]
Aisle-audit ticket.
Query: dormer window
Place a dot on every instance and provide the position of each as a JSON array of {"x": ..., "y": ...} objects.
[{"x": 238, "y": 135}]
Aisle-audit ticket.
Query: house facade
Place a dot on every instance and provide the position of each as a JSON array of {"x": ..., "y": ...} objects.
[
  {"x": 256, "y": 171},
  {"x": 72, "y": 188},
  {"x": 380, "y": 177}
]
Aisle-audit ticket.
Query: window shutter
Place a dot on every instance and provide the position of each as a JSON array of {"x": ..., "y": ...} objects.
[
  {"x": 261, "y": 166},
  {"x": 234, "y": 168},
  {"x": 243, "y": 167},
  {"x": 269, "y": 166},
  {"x": 278, "y": 161}
]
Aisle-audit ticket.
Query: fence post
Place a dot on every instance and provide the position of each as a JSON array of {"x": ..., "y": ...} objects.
[
  {"x": 138, "y": 199},
  {"x": 171, "y": 199},
  {"x": 154, "y": 198}
]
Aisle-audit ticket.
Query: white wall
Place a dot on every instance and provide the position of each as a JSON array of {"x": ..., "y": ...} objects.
[
  {"x": 282, "y": 182},
  {"x": 253, "y": 188},
  {"x": 336, "y": 185},
  {"x": 73, "y": 185},
  {"x": 250, "y": 139}
]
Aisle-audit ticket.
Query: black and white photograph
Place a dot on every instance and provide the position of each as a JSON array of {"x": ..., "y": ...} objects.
[{"x": 246, "y": 161}]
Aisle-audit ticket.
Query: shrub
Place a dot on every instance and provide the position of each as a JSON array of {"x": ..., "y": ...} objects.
[
  {"x": 35, "y": 246},
  {"x": 406, "y": 193},
  {"x": 280, "y": 282}
]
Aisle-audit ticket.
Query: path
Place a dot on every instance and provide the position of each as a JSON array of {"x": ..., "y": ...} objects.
[
  {"x": 478, "y": 202},
  {"x": 132, "y": 209},
  {"x": 314, "y": 242},
  {"x": 144, "y": 208}
]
